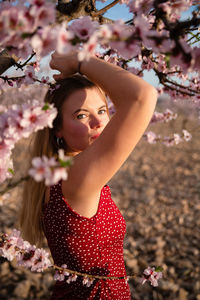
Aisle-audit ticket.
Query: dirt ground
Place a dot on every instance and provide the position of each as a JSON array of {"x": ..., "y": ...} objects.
[{"x": 158, "y": 192}]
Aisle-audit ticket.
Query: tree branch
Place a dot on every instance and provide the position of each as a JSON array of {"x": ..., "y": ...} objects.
[
  {"x": 6, "y": 61},
  {"x": 13, "y": 185},
  {"x": 103, "y": 10}
]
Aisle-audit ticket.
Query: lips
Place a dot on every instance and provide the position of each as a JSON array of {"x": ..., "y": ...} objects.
[{"x": 95, "y": 136}]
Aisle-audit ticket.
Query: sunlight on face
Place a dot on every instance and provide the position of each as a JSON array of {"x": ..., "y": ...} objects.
[{"x": 84, "y": 118}]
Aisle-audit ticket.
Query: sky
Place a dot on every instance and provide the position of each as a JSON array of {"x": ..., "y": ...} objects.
[{"x": 119, "y": 11}]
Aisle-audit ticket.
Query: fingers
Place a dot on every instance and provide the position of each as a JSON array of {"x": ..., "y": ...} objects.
[
  {"x": 57, "y": 77},
  {"x": 52, "y": 64}
]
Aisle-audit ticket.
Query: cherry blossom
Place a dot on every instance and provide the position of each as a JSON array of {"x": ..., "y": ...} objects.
[
  {"x": 36, "y": 259},
  {"x": 44, "y": 41},
  {"x": 49, "y": 169},
  {"x": 17, "y": 122},
  {"x": 151, "y": 137},
  {"x": 186, "y": 135},
  {"x": 64, "y": 39},
  {"x": 83, "y": 27},
  {"x": 30, "y": 75},
  {"x": 167, "y": 116},
  {"x": 13, "y": 246},
  {"x": 88, "y": 49},
  {"x": 87, "y": 281},
  {"x": 60, "y": 274},
  {"x": 72, "y": 278},
  {"x": 151, "y": 275},
  {"x": 140, "y": 6}
]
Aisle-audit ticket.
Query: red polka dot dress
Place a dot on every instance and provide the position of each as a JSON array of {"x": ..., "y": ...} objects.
[{"x": 87, "y": 245}]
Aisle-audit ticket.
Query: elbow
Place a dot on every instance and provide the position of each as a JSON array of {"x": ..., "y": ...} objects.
[{"x": 148, "y": 94}]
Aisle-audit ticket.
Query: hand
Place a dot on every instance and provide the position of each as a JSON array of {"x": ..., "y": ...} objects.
[{"x": 67, "y": 64}]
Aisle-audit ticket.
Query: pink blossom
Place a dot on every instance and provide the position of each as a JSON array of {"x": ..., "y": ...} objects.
[
  {"x": 11, "y": 246},
  {"x": 142, "y": 26},
  {"x": 30, "y": 75},
  {"x": 175, "y": 7},
  {"x": 60, "y": 274},
  {"x": 147, "y": 64},
  {"x": 44, "y": 15},
  {"x": 167, "y": 116},
  {"x": 49, "y": 169},
  {"x": 124, "y": 49},
  {"x": 177, "y": 138},
  {"x": 56, "y": 176},
  {"x": 104, "y": 32},
  {"x": 64, "y": 39},
  {"x": 186, "y": 135},
  {"x": 34, "y": 258},
  {"x": 45, "y": 80},
  {"x": 140, "y": 6},
  {"x": 14, "y": 246},
  {"x": 17, "y": 122},
  {"x": 72, "y": 278},
  {"x": 120, "y": 31},
  {"x": 83, "y": 27},
  {"x": 135, "y": 71},
  {"x": 88, "y": 49},
  {"x": 151, "y": 275},
  {"x": 41, "y": 261},
  {"x": 151, "y": 137},
  {"x": 87, "y": 281},
  {"x": 159, "y": 42},
  {"x": 44, "y": 41}
]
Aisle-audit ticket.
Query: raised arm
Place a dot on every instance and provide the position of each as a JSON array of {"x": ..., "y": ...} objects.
[{"x": 135, "y": 102}]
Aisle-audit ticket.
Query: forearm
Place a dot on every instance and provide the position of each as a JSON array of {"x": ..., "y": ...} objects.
[{"x": 122, "y": 87}]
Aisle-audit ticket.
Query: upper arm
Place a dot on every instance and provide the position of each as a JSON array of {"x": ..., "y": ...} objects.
[{"x": 94, "y": 166}]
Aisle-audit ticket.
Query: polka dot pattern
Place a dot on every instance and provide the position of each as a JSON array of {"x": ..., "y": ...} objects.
[{"x": 88, "y": 245}]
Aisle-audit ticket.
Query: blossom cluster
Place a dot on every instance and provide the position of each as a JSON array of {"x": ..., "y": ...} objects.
[
  {"x": 22, "y": 22},
  {"x": 28, "y": 26},
  {"x": 17, "y": 122},
  {"x": 50, "y": 169},
  {"x": 37, "y": 18},
  {"x": 27, "y": 255},
  {"x": 13, "y": 246},
  {"x": 166, "y": 116},
  {"x": 152, "y": 138}
]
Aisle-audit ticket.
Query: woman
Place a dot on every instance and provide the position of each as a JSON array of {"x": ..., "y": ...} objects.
[{"x": 83, "y": 226}]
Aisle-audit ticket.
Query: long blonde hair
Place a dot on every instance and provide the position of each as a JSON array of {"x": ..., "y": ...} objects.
[{"x": 44, "y": 143}]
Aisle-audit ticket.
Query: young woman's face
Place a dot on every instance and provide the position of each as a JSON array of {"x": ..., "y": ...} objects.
[{"x": 84, "y": 117}]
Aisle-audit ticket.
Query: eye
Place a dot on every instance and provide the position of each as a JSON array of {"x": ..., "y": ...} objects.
[
  {"x": 102, "y": 111},
  {"x": 81, "y": 116}
]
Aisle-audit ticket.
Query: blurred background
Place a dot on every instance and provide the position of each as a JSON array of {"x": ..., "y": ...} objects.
[{"x": 158, "y": 192}]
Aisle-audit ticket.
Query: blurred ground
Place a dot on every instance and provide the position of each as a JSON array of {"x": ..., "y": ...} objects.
[{"x": 158, "y": 192}]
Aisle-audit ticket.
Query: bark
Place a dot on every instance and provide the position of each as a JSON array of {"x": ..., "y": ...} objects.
[{"x": 6, "y": 61}]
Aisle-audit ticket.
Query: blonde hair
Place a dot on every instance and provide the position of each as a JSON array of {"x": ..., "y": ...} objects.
[{"x": 44, "y": 143}]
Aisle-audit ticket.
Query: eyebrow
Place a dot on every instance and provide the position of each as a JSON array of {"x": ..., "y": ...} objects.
[{"x": 83, "y": 109}]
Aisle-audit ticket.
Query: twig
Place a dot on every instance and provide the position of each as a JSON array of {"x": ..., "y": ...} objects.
[
  {"x": 92, "y": 276},
  {"x": 103, "y": 10},
  {"x": 13, "y": 184},
  {"x": 181, "y": 86},
  {"x": 20, "y": 66}
]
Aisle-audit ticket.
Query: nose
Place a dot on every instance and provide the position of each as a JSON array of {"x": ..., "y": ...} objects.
[{"x": 95, "y": 122}]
